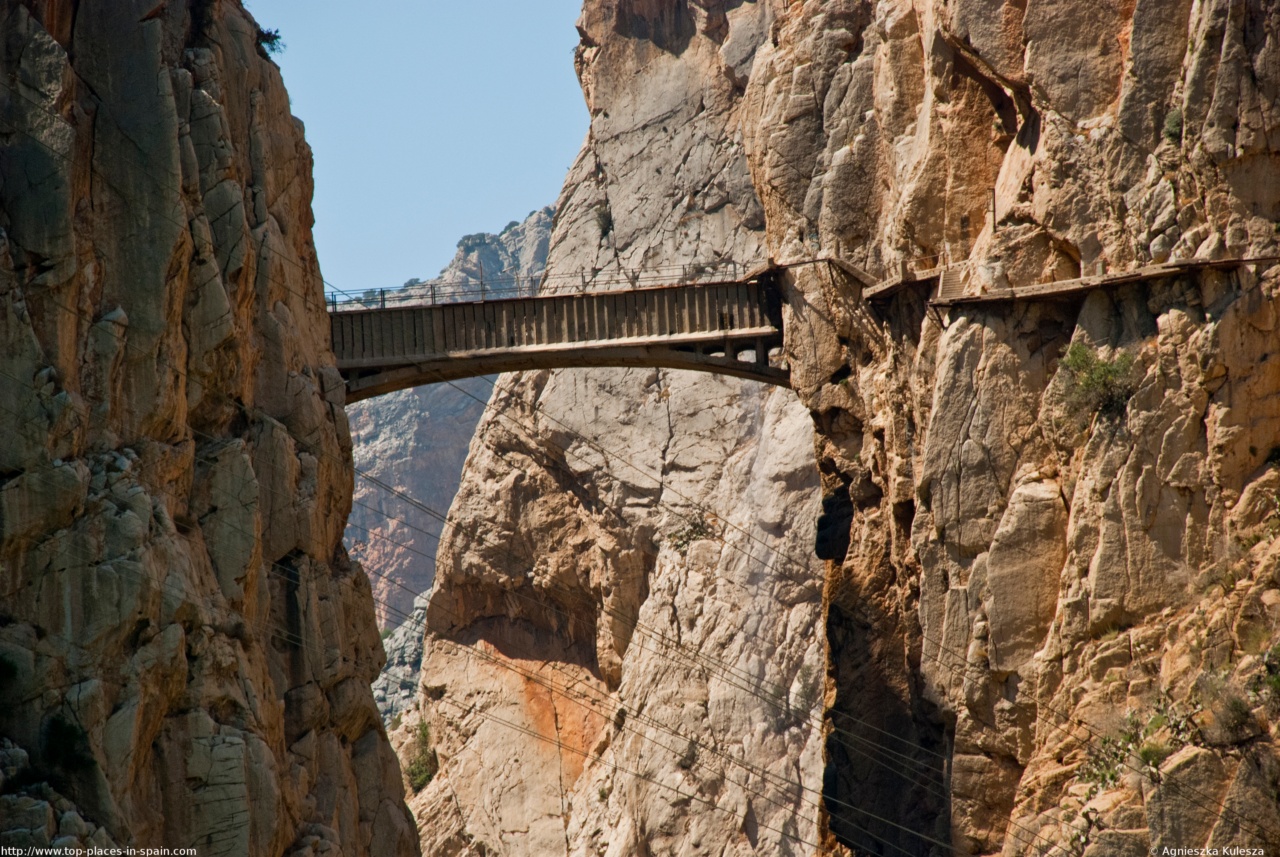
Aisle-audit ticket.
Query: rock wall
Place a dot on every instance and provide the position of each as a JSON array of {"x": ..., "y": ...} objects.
[
  {"x": 1051, "y": 604},
  {"x": 623, "y": 651},
  {"x": 1041, "y": 539},
  {"x": 415, "y": 441},
  {"x": 185, "y": 647}
]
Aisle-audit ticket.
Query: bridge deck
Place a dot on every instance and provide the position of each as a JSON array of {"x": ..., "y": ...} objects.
[
  {"x": 704, "y": 327},
  {"x": 1064, "y": 288}
]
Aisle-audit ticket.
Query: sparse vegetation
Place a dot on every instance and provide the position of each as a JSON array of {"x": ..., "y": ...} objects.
[
  {"x": 1154, "y": 752},
  {"x": 1097, "y": 385},
  {"x": 270, "y": 41},
  {"x": 421, "y": 763},
  {"x": 474, "y": 241},
  {"x": 1173, "y": 125},
  {"x": 689, "y": 757},
  {"x": 1102, "y": 768},
  {"x": 1231, "y": 716},
  {"x": 1236, "y": 713},
  {"x": 604, "y": 220},
  {"x": 808, "y": 689},
  {"x": 1139, "y": 745},
  {"x": 1269, "y": 682},
  {"x": 696, "y": 527}
]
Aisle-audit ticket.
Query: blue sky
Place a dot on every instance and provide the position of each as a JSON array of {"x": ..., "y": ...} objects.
[{"x": 429, "y": 120}]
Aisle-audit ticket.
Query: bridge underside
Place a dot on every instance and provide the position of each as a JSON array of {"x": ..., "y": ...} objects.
[
  {"x": 737, "y": 356},
  {"x": 722, "y": 328}
]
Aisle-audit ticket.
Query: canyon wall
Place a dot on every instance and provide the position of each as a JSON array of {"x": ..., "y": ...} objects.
[
  {"x": 414, "y": 441},
  {"x": 185, "y": 647},
  {"x": 1049, "y": 612},
  {"x": 624, "y": 651},
  {"x": 1040, "y": 543}
]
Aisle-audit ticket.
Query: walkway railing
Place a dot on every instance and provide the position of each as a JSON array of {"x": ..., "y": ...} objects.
[{"x": 435, "y": 292}]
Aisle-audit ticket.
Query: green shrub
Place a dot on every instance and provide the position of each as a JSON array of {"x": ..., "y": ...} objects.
[
  {"x": 1153, "y": 753},
  {"x": 1235, "y": 713},
  {"x": 695, "y": 528},
  {"x": 1165, "y": 732},
  {"x": 808, "y": 691},
  {"x": 1100, "y": 386},
  {"x": 270, "y": 41},
  {"x": 604, "y": 220},
  {"x": 421, "y": 766},
  {"x": 1173, "y": 125},
  {"x": 1102, "y": 768}
]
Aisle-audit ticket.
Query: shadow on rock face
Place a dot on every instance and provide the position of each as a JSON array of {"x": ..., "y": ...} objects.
[
  {"x": 832, "y": 538},
  {"x": 668, "y": 25}
]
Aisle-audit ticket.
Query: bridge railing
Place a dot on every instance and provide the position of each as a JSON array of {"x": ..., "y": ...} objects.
[{"x": 498, "y": 288}]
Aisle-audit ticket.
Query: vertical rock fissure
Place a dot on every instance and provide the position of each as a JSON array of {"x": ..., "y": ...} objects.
[{"x": 560, "y": 749}]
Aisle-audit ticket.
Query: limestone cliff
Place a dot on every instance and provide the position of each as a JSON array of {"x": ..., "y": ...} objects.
[
  {"x": 185, "y": 647},
  {"x": 1041, "y": 539},
  {"x": 1050, "y": 611},
  {"x": 624, "y": 649}
]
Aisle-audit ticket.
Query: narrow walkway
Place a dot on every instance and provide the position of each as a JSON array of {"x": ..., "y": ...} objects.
[
  {"x": 951, "y": 282},
  {"x": 725, "y": 328}
]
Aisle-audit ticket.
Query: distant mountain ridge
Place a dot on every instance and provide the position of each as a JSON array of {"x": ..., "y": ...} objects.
[{"x": 416, "y": 440}]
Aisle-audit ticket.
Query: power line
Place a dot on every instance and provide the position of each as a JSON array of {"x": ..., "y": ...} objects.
[{"x": 941, "y": 648}]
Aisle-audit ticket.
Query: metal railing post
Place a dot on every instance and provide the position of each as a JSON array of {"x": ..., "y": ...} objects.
[{"x": 382, "y": 295}]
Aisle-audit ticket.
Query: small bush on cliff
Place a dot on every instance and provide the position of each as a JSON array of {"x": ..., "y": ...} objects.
[
  {"x": 270, "y": 41},
  {"x": 1100, "y": 386},
  {"x": 421, "y": 764},
  {"x": 695, "y": 528},
  {"x": 1173, "y": 125},
  {"x": 1102, "y": 768},
  {"x": 1268, "y": 684},
  {"x": 1139, "y": 746}
]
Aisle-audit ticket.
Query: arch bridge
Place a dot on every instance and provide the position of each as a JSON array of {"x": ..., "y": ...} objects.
[{"x": 726, "y": 328}]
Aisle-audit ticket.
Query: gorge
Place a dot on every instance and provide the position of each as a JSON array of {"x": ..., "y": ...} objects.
[{"x": 990, "y": 578}]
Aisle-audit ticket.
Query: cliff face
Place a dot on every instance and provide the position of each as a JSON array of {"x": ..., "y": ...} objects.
[
  {"x": 1036, "y": 548},
  {"x": 416, "y": 440},
  {"x": 624, "y": 648},
  {"x": 1039, "y": 515},
  {"x": 185, "y": 648}
]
